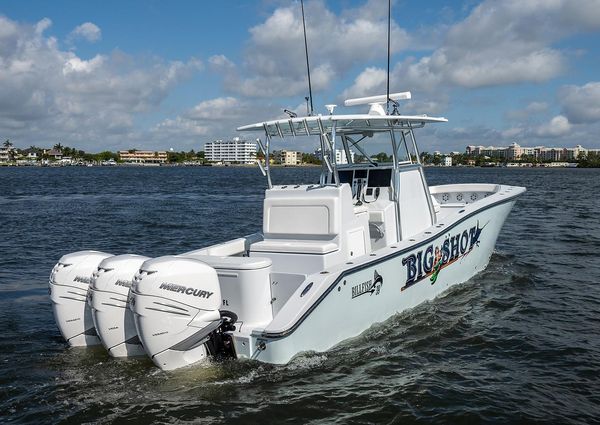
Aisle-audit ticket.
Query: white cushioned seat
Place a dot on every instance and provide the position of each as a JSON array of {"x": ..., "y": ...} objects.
[
  {"x": 309, "y": 228},
  {"x": 295, "y": 246},
  {"x": 232, "y": 263}
]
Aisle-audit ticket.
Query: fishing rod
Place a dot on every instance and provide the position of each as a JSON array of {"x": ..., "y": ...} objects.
[
  {"x": 310, "y": 111},
  {"x": 387, "y": 103}
]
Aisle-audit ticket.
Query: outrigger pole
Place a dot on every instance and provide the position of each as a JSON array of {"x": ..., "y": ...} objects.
[
  {"x": 387, "y": 103},
  {"x": 310, "y": 112}
]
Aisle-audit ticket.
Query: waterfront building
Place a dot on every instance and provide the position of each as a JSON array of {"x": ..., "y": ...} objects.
[
  {"x": 53, "y": 153},
  {"x": 285, "y": 157},
  {"x": 576, "y": 152},
  {"x": 143, "y": 157},
  {"x": 447, "y": 161},
  {"x": 491, "y": 151},
  {"x": 340, "y": 156},
  {"x": 542, "y": 153},
  {"x": 236, "y": 150},
  {"x": 31, "y": 154},
  {"x": 6, "y": 153}
]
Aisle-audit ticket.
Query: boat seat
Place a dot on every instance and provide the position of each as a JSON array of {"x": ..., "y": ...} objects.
[
  {"x": 382, "y": 220},
  {"x": 234, "y": 247},
  {"x": 316, "y": 221},
  {"x": 231, "y": 263},
  {"x": 295, "y": 246}
]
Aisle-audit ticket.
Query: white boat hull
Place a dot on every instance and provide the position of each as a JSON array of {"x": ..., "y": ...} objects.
[{"x": 353, "y": 301}]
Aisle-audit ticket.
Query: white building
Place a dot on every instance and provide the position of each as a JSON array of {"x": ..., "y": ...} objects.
[
  {"x": 447, "y": 161},
  {"x": 229, "y": 151},
  {"x": 340, "y": 155},
  {"x": 6, "y": 153}
]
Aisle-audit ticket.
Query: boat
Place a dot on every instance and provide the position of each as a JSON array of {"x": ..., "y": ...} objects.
[{"x": 367, "y": 241}]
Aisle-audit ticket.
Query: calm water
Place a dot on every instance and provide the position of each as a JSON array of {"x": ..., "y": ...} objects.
[{"x": 518, "y": 343}]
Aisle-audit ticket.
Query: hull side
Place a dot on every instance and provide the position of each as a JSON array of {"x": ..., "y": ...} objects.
[{"x": 381, "y": 288}]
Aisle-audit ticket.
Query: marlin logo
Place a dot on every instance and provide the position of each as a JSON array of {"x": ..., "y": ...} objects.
[{"x": 372, "y": 286}]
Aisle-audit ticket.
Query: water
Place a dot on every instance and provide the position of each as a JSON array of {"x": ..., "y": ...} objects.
[{"x": 520, "y": 342}]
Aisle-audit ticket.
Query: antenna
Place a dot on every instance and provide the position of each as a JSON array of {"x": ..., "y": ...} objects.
[
  {"x": 387, "y": 92},
  {"x": 307, "y": 64}
]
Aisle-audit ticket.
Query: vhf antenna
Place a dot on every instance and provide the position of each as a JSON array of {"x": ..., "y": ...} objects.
[
  {"x": 387, "y": 103},
  {"x": 310, "y": 112}
]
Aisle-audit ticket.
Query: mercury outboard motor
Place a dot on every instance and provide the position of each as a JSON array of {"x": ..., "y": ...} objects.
[
  {"x": 68, "y": 286},
  {"x": 176, "y": 303},
  {"x": 108, "y": 298}
]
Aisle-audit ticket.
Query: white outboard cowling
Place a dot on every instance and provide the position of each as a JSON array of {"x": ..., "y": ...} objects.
[
  {"x": 69, "y": 282},
  {"x": 176, "y": 303},
  {"x": 108, "y": 298}
]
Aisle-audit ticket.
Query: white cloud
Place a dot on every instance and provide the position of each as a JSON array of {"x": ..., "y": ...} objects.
[
  {"x": 532, "y": 109},
  {"x": 220, "y": 62},
  {"x": 581, "y": 104},
  {"x": 215, "y": 109},
  {"x": 366, "y": 83},
  {"x": 512, "y": 132},
  {"x": 88, "y": 31},
  {"x": 274, "y": 58},
  {"x": 498, "y": 43},
  {"x": 486, "y": 68},
  {"x": 76, "y": 64},
  {"x": 558, "y": 126},
  {"x": 180, "y": 128},
  {"x": 42, "y": 25},
  {"x": 536, "y": 107},
  {"x": 213, "y": 119},
  {"x": 49, "y": 94}
]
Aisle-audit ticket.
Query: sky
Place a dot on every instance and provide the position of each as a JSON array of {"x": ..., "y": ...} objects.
[{"x": 158, "y": 75}]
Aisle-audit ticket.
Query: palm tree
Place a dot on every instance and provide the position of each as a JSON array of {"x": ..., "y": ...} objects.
[
  {"x": 58, "y": 147},
  {"x": 8, "y": 144}
]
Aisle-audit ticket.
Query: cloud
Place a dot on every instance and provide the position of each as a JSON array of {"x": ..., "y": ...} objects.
[
  {"x": 532, "y": 109},
  {"x": 512, "y": 132},
  {"x": 366, "y": 83},
  {"x": 215, "y": 109},
  {"x": 498, "y": 43},
  {"x": 274, "y": 60},
  {"x": 558, "y": 126},
  {"x": 49, "y": 94},
  {"x": 581, "y": 104},
  {"x": 87, "y": 31},
  {"x": 180, "y": 128},
  {"x": 215, "y": 118},
  {"x": 76, "y": 64},
  {"x": 220, "y": 62}
]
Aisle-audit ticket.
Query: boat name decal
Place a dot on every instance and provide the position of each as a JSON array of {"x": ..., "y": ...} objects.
[
  {"x": 371, "y": 286},
  {"x": 430, "y": 261},
  {"x": 125, "y": 283},
  {"x": 82, "y": 279},
  {"x": 185, "y": 290}
]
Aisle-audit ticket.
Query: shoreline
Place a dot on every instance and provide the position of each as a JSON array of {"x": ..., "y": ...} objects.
[{"x": 177, "y": 165}]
